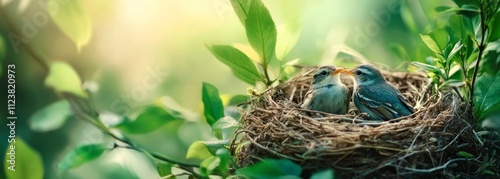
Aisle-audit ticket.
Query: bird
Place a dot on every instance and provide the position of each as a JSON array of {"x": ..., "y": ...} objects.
[
  {"x": 327, "y": 93},
  {"x": 377, "y": 97}
]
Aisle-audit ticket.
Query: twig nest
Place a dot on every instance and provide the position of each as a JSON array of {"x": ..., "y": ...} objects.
[{"x": 426, "y": 142}]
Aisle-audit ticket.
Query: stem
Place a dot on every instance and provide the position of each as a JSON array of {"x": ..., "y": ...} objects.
[
  {"x": 28, "y": 49},
  {"x": 84, "y": 116},
  {"x": 481, "y": 49},
  {"x": 266, "y": 74}
]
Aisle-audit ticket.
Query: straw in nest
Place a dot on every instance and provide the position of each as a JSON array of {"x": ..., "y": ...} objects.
[{"x": 425, "y": 142}]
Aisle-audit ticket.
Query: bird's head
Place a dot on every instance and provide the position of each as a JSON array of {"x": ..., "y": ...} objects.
[
  {"x": 327, "y": 75},
  {"x": 366, "y": 74}
]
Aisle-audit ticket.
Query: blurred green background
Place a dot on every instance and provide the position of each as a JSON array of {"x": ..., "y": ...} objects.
[{"x": 143, "y": 52}]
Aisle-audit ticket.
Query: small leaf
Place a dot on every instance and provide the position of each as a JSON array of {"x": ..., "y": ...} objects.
[
  {"x": 239, "y": 63},
  {"x": 261, "y": 31},
  {"x": 241, "y": 8},
  {"x": 204, "y": 149},
  {"x": 146, "y": 120},
  {"x": 442, "y": 8},
  {"x": 453, "y": 83},
  {"x": 198, "y": 150},
  {"x": 212, "y": 104},
  {"x": 80, "y": 156},
  {"x": 208, "y": 165},
  {"x": 431, "y": 44},
  {"x": 63, "y": 78},
  {"x": 238, "y": 99},
  {"x": 164, "y": 169},
  {"x": 465, "y": 154},
  {"x": 323, "y": 174},
  {"x": 455, "y": 49},
  {"x": 22, "y": 161},
  {"x": 225, "y": 158},
  {"x": 50, "y": 117},
  {"x": 494, "y": 29},
  {"x": 468, "y": 10},
  {"x": 429, "y": 68},
  {"x": 73, "y": 21},
  {"x": 225, "y": 122},
  {"x": 249, "y": 51},
  {"x": 271, "y": 168},
  {"x": 486, "y": 92}
]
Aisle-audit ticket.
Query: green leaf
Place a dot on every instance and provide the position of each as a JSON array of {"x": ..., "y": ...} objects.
[
  {"x": 238, "y": 99},
  {"x": 239, "y": 63},
  {"x": 50, "y": 117},
  {"x": 21, "y": 161},
  {"x": 225, "y": 159},
  {"x": 198, "y": 150},
  {"x": 455, "y": 49},
  {"x": 441, "y": 38},
  {"x": 212, "y": 103},
  {"x": 468, "y": 10},
  {"x": 271, "y": 168},
  {"x": 431, "y": 44},
  {"x": 491, "y": 61},
  {"x": 494, "y": 28},
  {"x": 442, "y": 8},
  {"x": 486, "y": 92},
  {"x": 241, "y": 8},
  {"x": 323, "y": 174},
  {"x": 63, "y": 78},
  {"x": 261, "y": 31},
  {"x": 208, "y": 165},
  {"x": 429, "y": 68},
  {"x": 146, "y": 120},
  {"x": 204, "y": 149},
  {"x": 73, "y": 21},
  {"x": 80, "y": 156},
  {"x": 465, "y": 154},
  {"x": 225, "y": 122},
  {"x": 164, "y": 169}
]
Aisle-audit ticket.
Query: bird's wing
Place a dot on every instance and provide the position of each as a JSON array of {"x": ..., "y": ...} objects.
[
  {"x": 308, "y": 98},
  {"x": 406, "y": 103},
  {"x": 382, "y": 110},
  {"x": 349, "y": 96}
]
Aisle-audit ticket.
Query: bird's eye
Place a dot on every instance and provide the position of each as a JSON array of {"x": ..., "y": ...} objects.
[
  {"x": 358, "y": 72},
  {"x": 323, "y": 73}
]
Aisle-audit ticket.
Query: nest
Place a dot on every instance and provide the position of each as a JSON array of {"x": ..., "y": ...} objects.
[{"x": 424, "y": 143}]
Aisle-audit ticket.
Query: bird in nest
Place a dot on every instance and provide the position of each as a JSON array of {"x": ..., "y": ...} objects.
[
  {"x": 377, "y": 97},
  {"x": 327, "y": 92}
]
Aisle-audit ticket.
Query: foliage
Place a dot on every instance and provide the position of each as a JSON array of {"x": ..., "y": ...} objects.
[
  {"x": 50, "y": 117},
  {"x": 81, "y": 155},
  {"x": 73, "y": 22},
  {"x": 465, "y": 45},
  {"x": 271, "y": 168},
  {"x": 262, "y": 35},
  {"x": 28, "y": 162},
  {"x": 462, "y": 47}
]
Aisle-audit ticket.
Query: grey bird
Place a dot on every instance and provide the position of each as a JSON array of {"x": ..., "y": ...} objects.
[
  {"x": 377, "y": 97},
  {"x": 327, "y": 92}
]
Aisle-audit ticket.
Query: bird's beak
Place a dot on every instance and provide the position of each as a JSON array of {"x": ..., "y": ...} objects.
[
  {"x": 337, "y": 71},
  {"x": 345, "y": 71}
]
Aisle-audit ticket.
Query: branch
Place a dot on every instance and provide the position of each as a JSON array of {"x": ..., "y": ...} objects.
[
  {"x": 42, "y": 61},
  {"x": 481, "y": 46}
]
